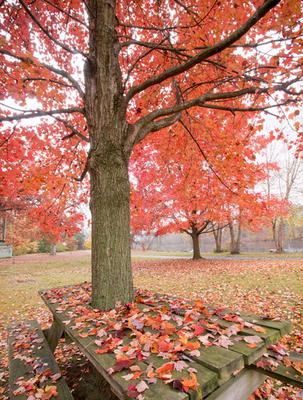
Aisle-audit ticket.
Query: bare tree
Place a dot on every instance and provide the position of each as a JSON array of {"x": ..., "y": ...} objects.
[{"x": 283, "y": 182}]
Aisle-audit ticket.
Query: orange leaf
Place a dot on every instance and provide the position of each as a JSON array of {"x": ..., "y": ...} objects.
[
  {"x": 192, "y": 345},
  {"x": 165, "y": 368},
  {"x": 190, "y": 383}
]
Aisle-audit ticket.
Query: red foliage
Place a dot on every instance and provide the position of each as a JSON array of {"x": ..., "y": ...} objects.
[{"x": 181, "y": 183}]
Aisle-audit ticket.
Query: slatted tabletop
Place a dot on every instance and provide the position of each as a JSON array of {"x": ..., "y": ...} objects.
[{"x": 188, "y": 339}]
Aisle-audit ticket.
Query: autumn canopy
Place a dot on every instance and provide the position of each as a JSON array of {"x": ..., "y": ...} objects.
[{"x": 84, "y": 82}]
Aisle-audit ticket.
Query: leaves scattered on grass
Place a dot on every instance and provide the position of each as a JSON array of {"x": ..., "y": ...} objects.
[{"x": 270, "y": 288}]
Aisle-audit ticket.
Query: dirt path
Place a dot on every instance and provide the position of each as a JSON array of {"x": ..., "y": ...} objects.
[{"x": 42, "y": 257}]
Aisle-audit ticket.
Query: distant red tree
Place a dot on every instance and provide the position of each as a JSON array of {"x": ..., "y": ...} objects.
[
  {"x": 182, "y": 184},
  {"x": 37, "y": 182}
]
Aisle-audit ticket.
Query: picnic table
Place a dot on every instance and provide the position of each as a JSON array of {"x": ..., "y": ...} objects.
[{"x": 162, "y": 347}]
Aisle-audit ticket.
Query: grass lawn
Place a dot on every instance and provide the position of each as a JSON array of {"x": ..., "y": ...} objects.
[
  {"x": 272, "y": 287},
  {"x": 253, "y": 255},
  {"x": 22, "y": 277}
]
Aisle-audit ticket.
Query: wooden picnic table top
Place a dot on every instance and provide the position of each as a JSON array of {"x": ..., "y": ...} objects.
[{"x": 162, "y": 347}]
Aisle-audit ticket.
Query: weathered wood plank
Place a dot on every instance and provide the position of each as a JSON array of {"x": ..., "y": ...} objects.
[
  {"x": 274, "y": 330},
  {"x": 239, "y": 387},
  {"x": 43, "y": 357},
  {"x": 249, "y": 354},
  {"x": 283, "y": 326},
  {"x": 208, "y": 380},
  {"x": 222, "y": 361},
  {"x": 100, "y": 362},
  {"x": 216, "y": 366},
  {"x": 294, "y": 356},
  {"x": 269, "y": 336}
]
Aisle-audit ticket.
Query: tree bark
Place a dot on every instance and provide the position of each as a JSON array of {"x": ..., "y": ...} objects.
[
  {"x": 3, "y": 233},
  {"x": 274, "y": 235},
  {"x": 53, "y": 250},
  {"x": 218, "y": 239},
  {"x": 278, "y": 230},
  {"x": 280, "y": 236},
  {"x": 196, "y": 245},
  {"x": 235, "y": 239},
  {"x": 107, "y": 162}
]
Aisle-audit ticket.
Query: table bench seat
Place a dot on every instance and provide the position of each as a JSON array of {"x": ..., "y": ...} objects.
[{"x": 32, "y": 366}]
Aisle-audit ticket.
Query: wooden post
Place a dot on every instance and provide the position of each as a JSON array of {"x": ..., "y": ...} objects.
[{"x": 53, "y": 335}]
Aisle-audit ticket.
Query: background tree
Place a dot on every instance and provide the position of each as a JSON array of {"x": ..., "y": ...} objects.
[
  {"x": 295, "y": 222},
  {"x": 283, "y": 182},
  {"x": 181, "y": 184},
  {"x": 218, "y": 230},
  {"x": 36, "y": 188},
  {"x": 145, "y": 62}
]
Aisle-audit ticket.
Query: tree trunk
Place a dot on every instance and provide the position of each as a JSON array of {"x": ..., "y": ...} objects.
[
  {"x": 3, "y": 233},
  {"x": 235, "y": 239},
  {"x": 196, "y": 244},
  {"x": 107, "y": 162},
  {"x": 278, "y": 229},
  {"x": 274, "y": 232},
  {"x": 280, "y": 236},
  {"x": 111, "y": 264},
  {"x": 218, "y": 239},
  {"x": 53, "y": 250}
]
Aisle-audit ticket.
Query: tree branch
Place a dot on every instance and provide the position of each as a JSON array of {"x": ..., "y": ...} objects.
[
  {"x": 40, "y": 113},
  {"x": 255, "y": 45},
  {"x": 145, "y": 125},
  {"x": 156, "y": 46},
  {"x": 46, "y": 32},
  {"x": 57, "y": 71},
  {"x": 204, "y": 54},
  {"x": 203, "y": 101},
  {"x": 196, "y": 102},
  {"x": 84, "y": 173},
  {"x": 54, "y": 81},
  {"x": 215, "y": 229},
  {"x": 206, "y": 158},
  {"x": 247, "y": 109},
  {"x": 74, "y": 132},
  {"x": 204, "y": 226},
  {"x": 66, "y": 13}
]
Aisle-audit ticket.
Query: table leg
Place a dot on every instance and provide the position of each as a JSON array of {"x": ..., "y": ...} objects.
[{"x": 53, "y": 335}]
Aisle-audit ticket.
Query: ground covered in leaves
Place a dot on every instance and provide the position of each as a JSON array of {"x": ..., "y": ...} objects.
[{"x": 274, "y": 288}]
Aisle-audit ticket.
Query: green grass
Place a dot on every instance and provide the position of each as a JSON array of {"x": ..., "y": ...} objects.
[{"x": 20, "y": 281}]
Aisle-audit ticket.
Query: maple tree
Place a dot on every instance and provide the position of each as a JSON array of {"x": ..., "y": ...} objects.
[
  {"x": 178, "y": 187},
  {"x": 110, "y": 72},
  {"x": 36, "y": 193}
]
